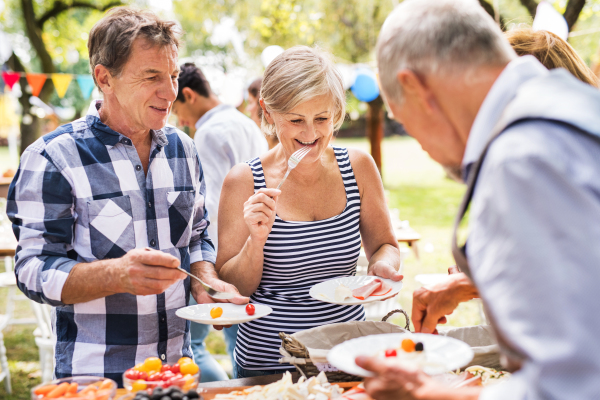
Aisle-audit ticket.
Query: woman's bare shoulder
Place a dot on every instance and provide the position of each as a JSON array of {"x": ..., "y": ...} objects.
[{"x": 239, "y": 178}]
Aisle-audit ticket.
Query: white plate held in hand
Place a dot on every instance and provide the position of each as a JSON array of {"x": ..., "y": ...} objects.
[
  {"x": 443, "y": 354},
  {"x": 232, "y": 313},
  {"x": 325, "y": 291}
]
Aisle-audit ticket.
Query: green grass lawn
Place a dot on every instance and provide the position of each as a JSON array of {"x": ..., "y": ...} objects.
[{"x": 415, "y": 185}]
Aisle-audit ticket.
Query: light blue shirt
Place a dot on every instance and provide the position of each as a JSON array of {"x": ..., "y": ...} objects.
[
  {"x": 534, "y": 244},
  {"x": 224, "y": 137}
]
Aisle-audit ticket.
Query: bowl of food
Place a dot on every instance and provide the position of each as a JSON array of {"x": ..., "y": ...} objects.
[
  {"x": 76, "y": 388},
  {"x": 152, "y": 374},
  {"x": 172, "y": 393}
]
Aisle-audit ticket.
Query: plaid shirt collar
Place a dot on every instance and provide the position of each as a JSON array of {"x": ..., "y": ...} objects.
[{"x": 110, "y": 137}]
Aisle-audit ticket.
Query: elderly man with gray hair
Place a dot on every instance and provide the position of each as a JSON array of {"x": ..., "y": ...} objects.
[
  {"x": 106, "y": 207},
  {"x": 527, "y": 142}
]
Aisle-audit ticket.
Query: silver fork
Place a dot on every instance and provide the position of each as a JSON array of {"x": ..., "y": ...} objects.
[
  {"x": 293, "y": 162},
  {"x": 215, "y": 294}
]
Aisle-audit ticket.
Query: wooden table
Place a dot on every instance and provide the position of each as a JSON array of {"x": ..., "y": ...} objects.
[
  {"x": 210, "y": 389},
  {"x": 410, "y": 237}
]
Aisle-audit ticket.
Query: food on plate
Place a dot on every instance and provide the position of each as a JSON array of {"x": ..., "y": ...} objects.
[
  {"x": 342, "y": 292},
  {"x": 216, "y": 312},
  {"x": 410, "y": 353},
  {"x": 315, "y": 388},
  {"x": 100, "y": 390},
  {"x": 488, "y": 376},
  {"x": 356, "y": 393},
  {"x": 250, "y": 309},
  {"x": 150, "y": 375},
  {"x": 377, "y": 287},
  {"x": 172, "y": 393}
]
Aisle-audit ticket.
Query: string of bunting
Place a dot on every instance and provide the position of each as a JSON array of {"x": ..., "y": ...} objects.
[{"x": 61, "y": 82}]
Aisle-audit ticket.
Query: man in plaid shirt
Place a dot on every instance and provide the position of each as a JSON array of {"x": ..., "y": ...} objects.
[{"x": 106, "y": 207}]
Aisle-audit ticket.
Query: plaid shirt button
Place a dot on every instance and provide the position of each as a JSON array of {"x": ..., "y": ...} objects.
[
  {"x": 153, "y": 243},
  {"x": 138, "y": 167}
]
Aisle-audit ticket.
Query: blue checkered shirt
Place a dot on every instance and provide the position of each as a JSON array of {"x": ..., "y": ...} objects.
[{"x": 81, "y": 195}]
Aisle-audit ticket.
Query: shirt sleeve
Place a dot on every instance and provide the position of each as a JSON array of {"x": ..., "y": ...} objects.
[
  {"x": 217, "y": 157},
  {"x": 201, "y": 246},
  {"x": 40, "y": 206},
  {"x": 534, "y": 256}
]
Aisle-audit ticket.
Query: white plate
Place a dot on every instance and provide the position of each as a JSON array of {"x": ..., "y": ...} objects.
[
  {"x": 448, "y": 354},
  {"x": 232, "y": 313},
  {"x": 325, "y": 291}
]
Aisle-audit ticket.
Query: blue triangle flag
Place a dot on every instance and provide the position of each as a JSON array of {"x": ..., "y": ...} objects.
[{"x": 86, "y": 85}]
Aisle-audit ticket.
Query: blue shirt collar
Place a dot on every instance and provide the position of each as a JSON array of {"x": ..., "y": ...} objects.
[
  {"x": 210, "y": 113},
  {"x": 110, "y": 137},
  {"x": 503, "y": 91}
]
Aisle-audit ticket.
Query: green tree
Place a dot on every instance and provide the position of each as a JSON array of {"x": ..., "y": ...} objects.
[{"x": 55, "y": 29}]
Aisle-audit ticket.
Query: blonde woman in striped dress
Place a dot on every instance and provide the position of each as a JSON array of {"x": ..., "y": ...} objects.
[{"x": 275, "y": 245}]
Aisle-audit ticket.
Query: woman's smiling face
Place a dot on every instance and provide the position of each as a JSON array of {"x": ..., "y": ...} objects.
[{"x": 308, "y": 124}]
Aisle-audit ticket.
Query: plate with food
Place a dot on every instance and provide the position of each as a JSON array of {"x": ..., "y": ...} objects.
[
  {"x": 351, "y": 290},
  {"x": 434, "y": 354},
  {"x": 223, "y": 313}
]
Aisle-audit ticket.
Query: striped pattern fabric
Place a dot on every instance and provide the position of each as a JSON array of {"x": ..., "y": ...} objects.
[{"x": 297, "y": 256}]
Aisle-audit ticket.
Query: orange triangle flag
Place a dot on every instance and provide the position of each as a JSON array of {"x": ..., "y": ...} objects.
[
  {"x": 36, "y": 81},
  {"x": 61, "y": 83}
]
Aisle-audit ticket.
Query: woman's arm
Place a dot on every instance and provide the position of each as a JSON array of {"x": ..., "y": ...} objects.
[
  {"x": 378, "y": 238},
  {"x": 245, "y": 221}
]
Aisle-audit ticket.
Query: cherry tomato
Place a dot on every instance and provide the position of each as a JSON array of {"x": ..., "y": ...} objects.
[
  {"x": 131, "y": 374},
  {"x": 165, "y": 367},
  {"x": 408, "y": 345},
  {"x": 152, "y": 364},
  {"x": 138, "y": 385},
  {"x": 216, "y": 312},
  {"x": 175, "y": 368},
  {"x": 142, "y": 375},
  {"x": 184, "y": 360},
  {"x": 154, "y": 377},
  {"x": 189, "y": 368},
  {"x": 250, "y": 309},
  {"x": 390, "y": 353}
]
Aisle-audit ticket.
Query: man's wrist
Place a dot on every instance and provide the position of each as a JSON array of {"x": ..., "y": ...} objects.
[{"x": 463, "y": 287}]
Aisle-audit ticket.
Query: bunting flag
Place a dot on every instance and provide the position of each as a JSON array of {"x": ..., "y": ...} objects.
[
  {"x": 36, "y": 81},
  {"x": 10, "y": 78},
  {"x": 61, "y": 83},
  {"x": 86, "y": 85}
]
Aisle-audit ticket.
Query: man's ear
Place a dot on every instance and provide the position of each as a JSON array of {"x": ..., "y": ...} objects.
[
  {"x": 415, "y": 87},
  {"x": 268, "y": 116},
  {"x": 189, "y": 95},
  {"x": 104, "y": 79}
]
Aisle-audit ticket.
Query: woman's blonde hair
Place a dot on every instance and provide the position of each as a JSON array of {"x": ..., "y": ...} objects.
[
  {"x": 552, "y": 51},
  {"x": 297, "y": 75}
]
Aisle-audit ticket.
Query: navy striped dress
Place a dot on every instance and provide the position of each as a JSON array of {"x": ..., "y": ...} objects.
[{"x": 298, "y": 255}]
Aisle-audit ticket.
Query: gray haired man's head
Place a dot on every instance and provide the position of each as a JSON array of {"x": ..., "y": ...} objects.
[{"x": 448, "y": 37}]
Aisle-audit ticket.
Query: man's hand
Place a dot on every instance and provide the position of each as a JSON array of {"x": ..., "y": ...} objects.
[
  {"x": 432, "y": 304},
  {"x": 393, "y": 381},
  {"x": 206, "y": 271},
  {"x": 146, "y": 272}
]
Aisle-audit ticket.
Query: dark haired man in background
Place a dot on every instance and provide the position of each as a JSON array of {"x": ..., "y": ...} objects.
[{"x": 224, "y": 137}]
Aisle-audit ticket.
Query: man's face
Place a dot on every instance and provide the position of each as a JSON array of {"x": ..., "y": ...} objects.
[
  {"x": 185, "y": 112},
  {"x": 147, "y": 86},
  {"x": 424, "y": 120}
]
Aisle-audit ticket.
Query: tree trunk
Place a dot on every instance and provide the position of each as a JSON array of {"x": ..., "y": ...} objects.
[
  {"x": 574, "y": 8},
  {"x": 29, "y": 132},
  {"x": 375, "y": 129}
]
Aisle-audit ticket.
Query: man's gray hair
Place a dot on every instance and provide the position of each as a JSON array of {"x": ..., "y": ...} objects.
[{"x": 446, "y": 37}]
